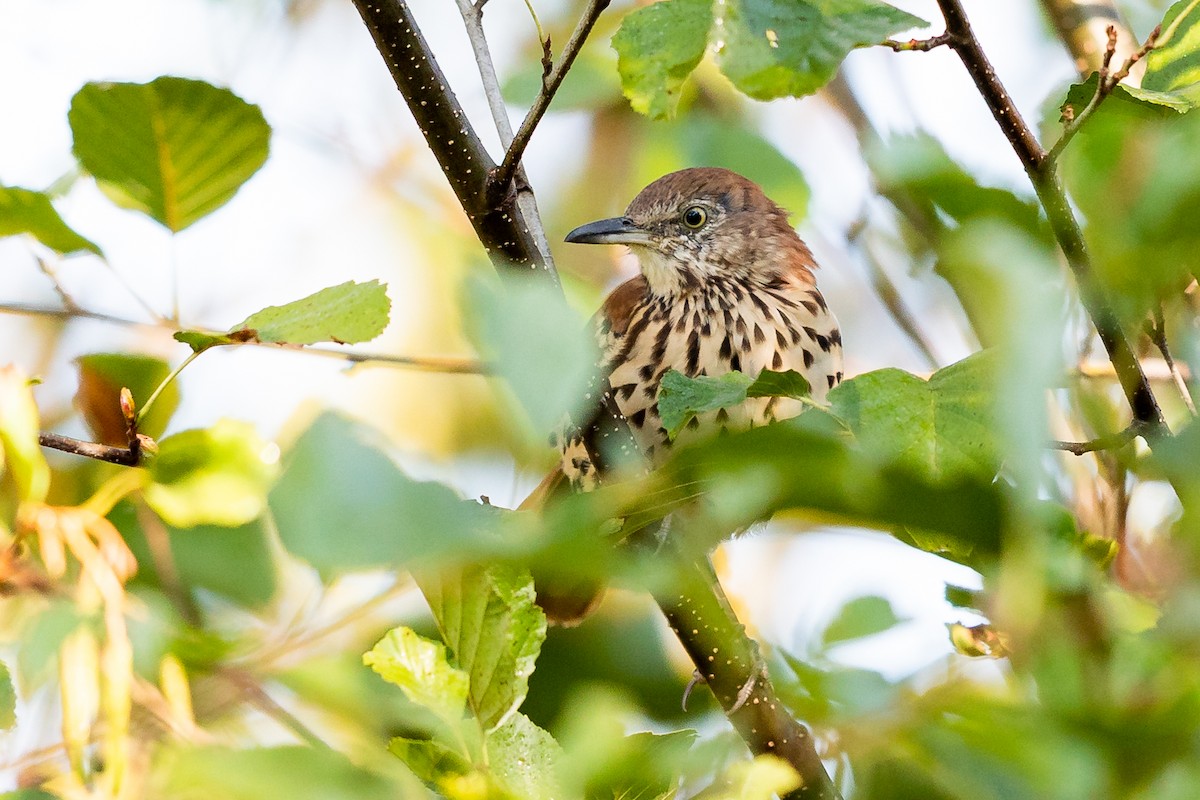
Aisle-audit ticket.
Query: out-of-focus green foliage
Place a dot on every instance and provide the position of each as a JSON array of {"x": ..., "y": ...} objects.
[{"x": 199, "y": 610}]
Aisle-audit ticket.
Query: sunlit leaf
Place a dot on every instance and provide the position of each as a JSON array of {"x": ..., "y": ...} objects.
[
  {"x": 341, "y": 504},
  {"x": 762, "y": 778},
  {"x": 346, "y": 314},
  {"x": 101, "y": 377},
  {"x": 1174, "y": 66},
  {"x": 211, "y": 476},
  {"x": 489, "y": 620},
  {"x": 174, "y": 149},
  {"x": 862, "y": 616},
  {"x": 430, "y": 759},
  {"x": 26, "y": 211},
  {"x": 421, "y": 670}
]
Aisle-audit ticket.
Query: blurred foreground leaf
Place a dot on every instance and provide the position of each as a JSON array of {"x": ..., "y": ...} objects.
[
  {"x": 861, "y": 617},
  {"x": 342, "y": 504},
  {"x": 299, "y": 773},
  {"x": 174, "y": 149},
  {"x": 538, "y": 345},
  {"x": 211, "y": 476},
  {"x": 26, "y": 211},
  {"x": 233, "y": 562}
]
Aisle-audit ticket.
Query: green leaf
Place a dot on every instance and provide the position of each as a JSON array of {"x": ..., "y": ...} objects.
[
  {"x": 763, "y": 777},
  {"x": 943, "y": 427},
  {"x": 767, "y": 48},
  {"x": 8, "y": 699},
  {"x": 430, "y": 760},
  {"x": 538, "y": 345},
  {"x": 421, "y": 670},
  {"x": 523, "y": 759},
  {"x": 342, "y": 504},
  {"x": 1132, "y": 100},
  {"x": 345, "y": 314},
  {"x": 1173, "y": 67},
  {"x": 297, "y": 773},
  {"x": 42, "y": 638},
  {"x": 791, "y": 466},
  {"x": 233, "y": 562},
  {"x": 681, "y": 398},
  {"x": 861, "y": 617},
  {"x": 101, "y": 377},
  {"x": 22, "y": 455},
  {"x": 26, "y": 211},
  {"x": 211, "y": 476},
  {"x": 489, "y": 620},
  {"x": 657, "y": 48},
  {"x": 174, "y": 149},
  {"x": 782, "y": 48}
]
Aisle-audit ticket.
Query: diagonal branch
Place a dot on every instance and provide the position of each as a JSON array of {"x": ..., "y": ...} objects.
[
  {"x": 501, "y": 227},
  {"x": 1062, "y": 219}
]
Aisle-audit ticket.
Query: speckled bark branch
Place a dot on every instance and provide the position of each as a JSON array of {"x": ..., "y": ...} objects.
[
  {"x": 501, "y": 228},
  {"x": 1062, "y": 219}
]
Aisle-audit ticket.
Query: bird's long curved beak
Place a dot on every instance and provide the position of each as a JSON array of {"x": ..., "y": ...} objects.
[{"x": 618, "y": 230}]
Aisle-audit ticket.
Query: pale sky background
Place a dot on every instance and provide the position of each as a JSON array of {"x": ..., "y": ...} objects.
[{"x": 314, "y": 217}]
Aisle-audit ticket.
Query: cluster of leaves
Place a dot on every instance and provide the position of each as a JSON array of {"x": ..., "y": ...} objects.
[{"x": 1106, "y": 691}]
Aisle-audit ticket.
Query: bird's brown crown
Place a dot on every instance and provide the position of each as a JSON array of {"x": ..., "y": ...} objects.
[{"x": 707, "y": 222}]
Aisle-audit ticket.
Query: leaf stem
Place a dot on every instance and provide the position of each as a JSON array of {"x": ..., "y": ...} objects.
[{"x": 141, "y": 412}]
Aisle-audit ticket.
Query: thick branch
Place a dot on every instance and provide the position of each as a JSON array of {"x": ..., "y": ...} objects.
[
  {"x": 729, "y": 662},
  {"x": 501, "y": 228},
  {"x": 1062, "y": 219}
]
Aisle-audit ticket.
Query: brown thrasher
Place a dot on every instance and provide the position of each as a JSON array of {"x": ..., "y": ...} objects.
[{"x": 725, "y": 284}]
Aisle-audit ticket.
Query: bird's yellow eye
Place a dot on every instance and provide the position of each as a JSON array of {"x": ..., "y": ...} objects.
[{"x": 695, "y": 217}]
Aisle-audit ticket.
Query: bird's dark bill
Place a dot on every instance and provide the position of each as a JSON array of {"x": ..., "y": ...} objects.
[{"x": 618, "y": 230}]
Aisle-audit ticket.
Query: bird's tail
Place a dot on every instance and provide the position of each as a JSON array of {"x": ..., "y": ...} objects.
[{"x": 566, "y": 601}]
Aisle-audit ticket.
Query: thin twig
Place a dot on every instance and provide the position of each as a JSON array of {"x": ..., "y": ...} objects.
[
  {"x": 1106, "y": 83},
  {"x": 1062, "y": 219},
  {"x": 124, "y": 456},
  {"x": 457, "y": 366},
  {"x": 1110, "y": 442},
  {"x": 1156, "y": 329},
  {"x": 526, "y": 202},
  {"x": 917, "y": 45},
  {"x": 501, "y": 178}
]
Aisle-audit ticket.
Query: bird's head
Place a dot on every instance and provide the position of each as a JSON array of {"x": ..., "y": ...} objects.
[{"x": 700, "y": 224}]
